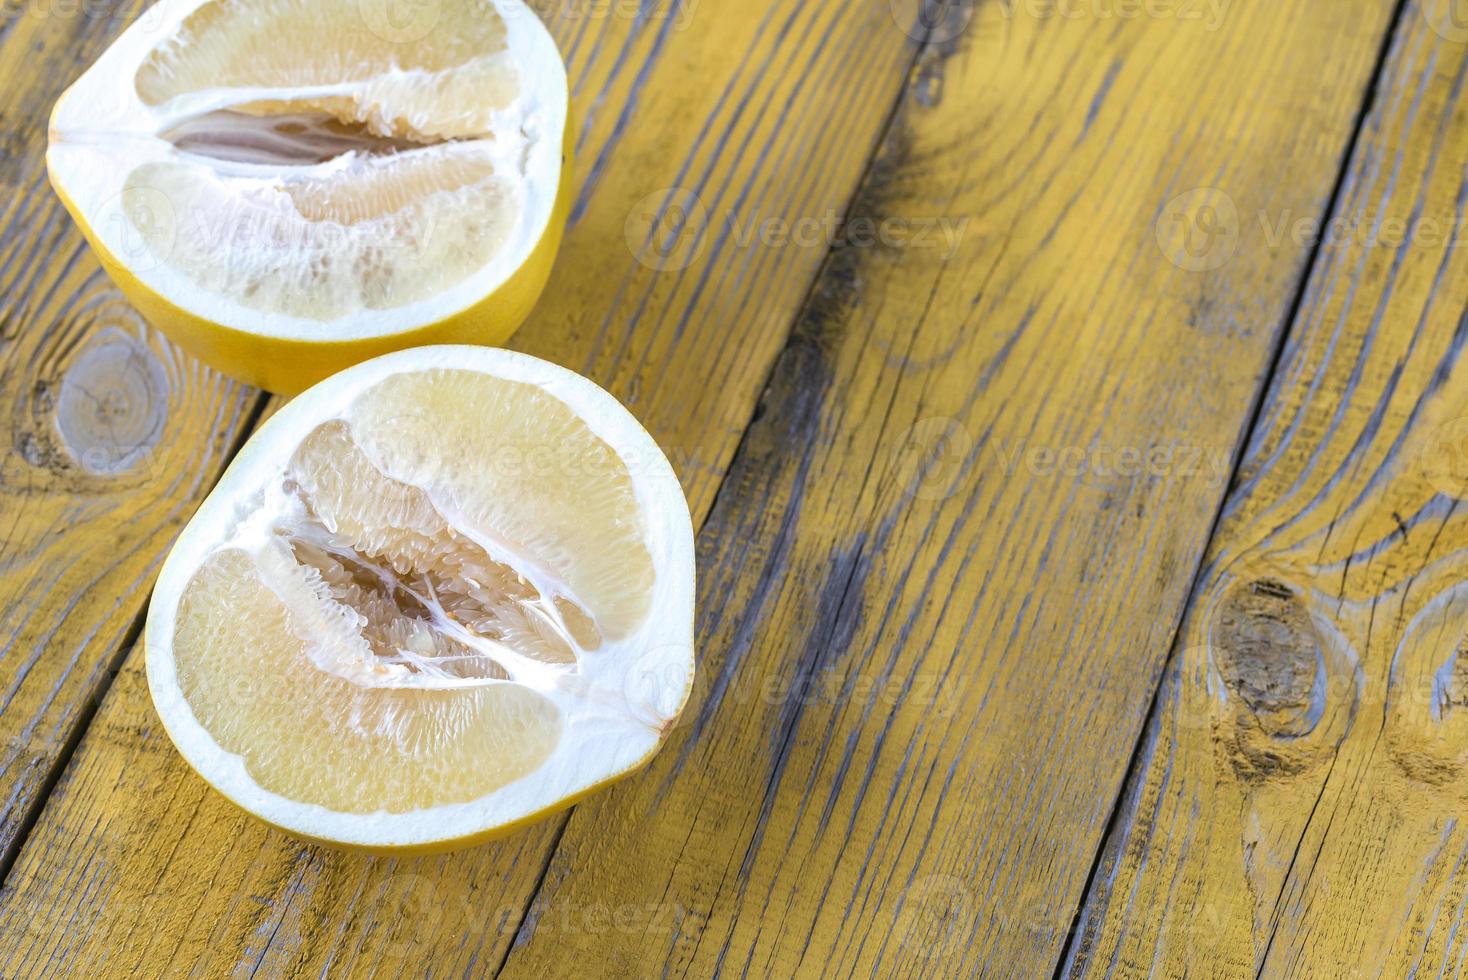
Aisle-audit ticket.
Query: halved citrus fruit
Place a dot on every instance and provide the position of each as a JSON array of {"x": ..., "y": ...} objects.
[
  {"x": 287, "y": 187},
  {"x": 435, "y": 597}
]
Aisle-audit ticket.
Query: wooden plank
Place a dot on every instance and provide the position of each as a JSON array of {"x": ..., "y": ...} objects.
[
  {"x": 114, "y": 434},
  {"x": 722, "y": 106},
  {"x": 941, "y": 581},
  {"x": 1298, "y": 803}
]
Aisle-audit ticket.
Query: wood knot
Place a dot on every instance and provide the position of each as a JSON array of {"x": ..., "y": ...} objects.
[
  {"x": 1269, "y": 657},
  {"x": 1285, "y": 677},
  {"x": 111, "y": 403}
]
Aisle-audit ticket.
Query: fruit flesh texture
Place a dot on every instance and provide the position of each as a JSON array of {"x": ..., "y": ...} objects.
[
  {"x": 386, "y": 645},
  {"x": 331, "y": 163},
  {"x": 387, "y": 232}
]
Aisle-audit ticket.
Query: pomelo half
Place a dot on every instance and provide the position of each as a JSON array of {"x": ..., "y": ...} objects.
[
  {"x": 288, "y": 187},
  {"x": 434, "y": 598}
]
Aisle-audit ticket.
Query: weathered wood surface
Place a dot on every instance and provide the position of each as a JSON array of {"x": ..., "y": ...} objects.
[
  {"x": 681, "y": 319},
  {"x": 112, "y": 435},
  {"x": 1299, "y": 804},
  {"x": 940, "y": 582}
]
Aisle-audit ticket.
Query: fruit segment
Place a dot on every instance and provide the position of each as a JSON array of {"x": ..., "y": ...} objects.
[
  {"x": 370, "y": 232},
  {"x": 432, "y": 70},
  {"x": 538, "y": 483},
  {"x": 380, "y": 543}
]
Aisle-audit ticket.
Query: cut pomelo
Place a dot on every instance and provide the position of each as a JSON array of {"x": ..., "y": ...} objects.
[
  {"x": 435, "y": 597},
  {"x": 287, "y": 187}
]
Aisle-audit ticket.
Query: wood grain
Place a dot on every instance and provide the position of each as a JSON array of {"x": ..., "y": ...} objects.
[
  {"x": 113, "y": 436},
  {"x": 1297, "y": 805},
  {"x": 717, "y": 112},
  {"x": 941, "y": 581}
]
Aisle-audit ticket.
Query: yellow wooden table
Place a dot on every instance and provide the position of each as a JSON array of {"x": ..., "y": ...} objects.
[{"x": 1071, "y": 398}]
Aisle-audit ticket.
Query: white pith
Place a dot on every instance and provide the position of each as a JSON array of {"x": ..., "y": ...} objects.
[
  {"x": 102, "y": 132},
  {"x": 614, "y": 718}
]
